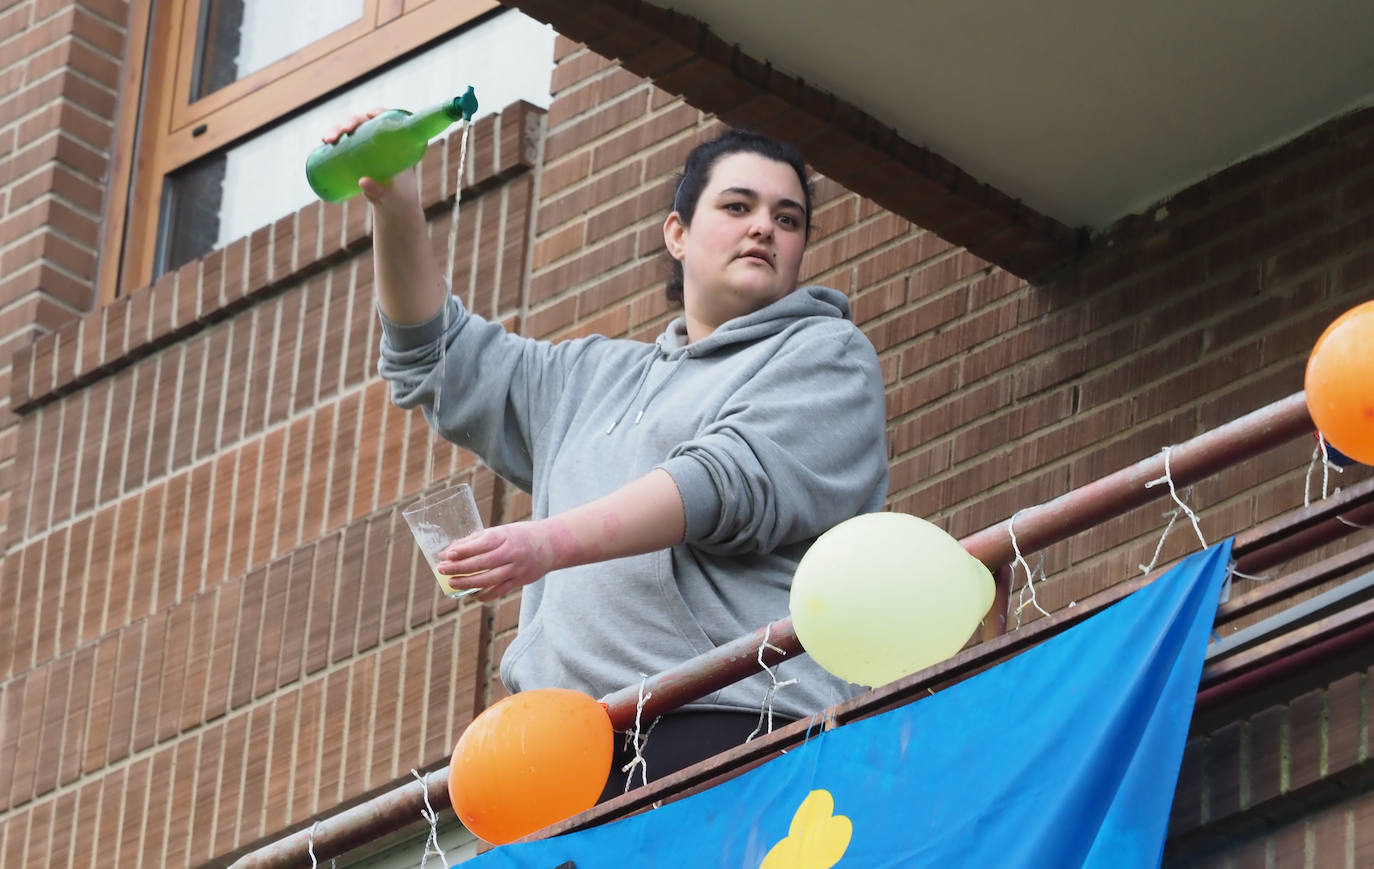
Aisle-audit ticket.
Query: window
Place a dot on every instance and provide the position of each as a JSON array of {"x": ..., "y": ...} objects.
[{"x": 234, "y": 94}]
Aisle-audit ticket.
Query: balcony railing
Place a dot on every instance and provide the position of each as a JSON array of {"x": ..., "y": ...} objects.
[{"x": 1306, "y": 642}]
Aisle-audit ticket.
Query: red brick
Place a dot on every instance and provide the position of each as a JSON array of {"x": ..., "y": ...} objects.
[
  {"x": 221, "y": 644},
  {"x": 307, "y": 238},
  {"x": 259, "y": 261},
  {"x": 388, "y": 704},
  {"x": 595, "y": 125},
  {"x": 47, "y": 742},
  {"x": 558, "y": 244},
  {"x": 231, "y": 353},
  {"x": 547, "y": 321},
  {"x": 279, "y": 746},
  {"x": 307, "y": 751},
  {"x": 198, "y": 652},
  {"x": 248, "y": 627},
  {"x": 174, "y": 656},
  {"x": 78, "y": 704},
  {"x": 438, "y": 698},
  {"x": 636, "y": 139},
  {"x": 283, "y": 248},
  {"x": 1343, "y": 699},
  {"x": 481, "y": 156},
  {"x": 122, "y": 701},
  {"x": 286, "y": 351},
  {"x": 111, "y": 801},
  {"x": 619, "y": 286},
  {"x": 147, "y": 527},
  {"x": 1305, "y": 740},
  {"x": 207, "y": 772},
  {"x": 1317, "y": 252},
  {"x": 1223, "y": 772},
  {"x": 519, "y": 203},
  {"x": 374, "y": 578},
  {"x": 1266, "y": 755},
  {"x": 199, "y": 521},
  {"x": 1250, "y": 393},
  {"x": 335, "y": 707},
  {"x": 1330, "y": 836},
  {"x": 274, "y": 627},
  {"x": 1290, "y": 844},
  {"x": 40, "y": 832},
  {"x": 347, "y": 591},
  {"x": 590, "y": 93},
  {"x": 149, "y": 682},
  {"x": 94, "y": 598},
  {"x": 430, "y": 178},
  {"x": 1186, "y": 811},
  {"x": 265, "y": 355},
  {"x": 63, "y": 844},
  {"x": 355, "y": 757},
  {"x": 98, "y": 728},
  {"x": 234, "y": 284},
  {"x": 319, "y": 612},
  {"x": 342, "y": 466},
  {"x": 574, "y": 66},
  {"x": 179, "y": 801},
  {"x": 230, "y": 783},
  {"x": 331, "y": 229},
  {"x": 44, "y": 355},
  {"x": 362, "y": 320},
  {"x": 160, "y": 774}
]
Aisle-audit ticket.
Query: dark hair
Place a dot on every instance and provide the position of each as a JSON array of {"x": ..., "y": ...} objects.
[{"x": 697, "y": 171}]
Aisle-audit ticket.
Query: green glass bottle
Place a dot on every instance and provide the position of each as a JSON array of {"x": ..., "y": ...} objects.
[{"x": 381, "y": 147}]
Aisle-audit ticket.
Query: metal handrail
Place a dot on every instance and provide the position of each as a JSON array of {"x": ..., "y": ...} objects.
[{"x": 1036, "y": 528}]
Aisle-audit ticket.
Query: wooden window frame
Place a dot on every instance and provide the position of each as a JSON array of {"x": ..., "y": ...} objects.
[{"x": 158, "y": 131}]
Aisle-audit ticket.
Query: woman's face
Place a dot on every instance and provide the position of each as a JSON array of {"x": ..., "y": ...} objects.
[{"x": 744, "y": 248}]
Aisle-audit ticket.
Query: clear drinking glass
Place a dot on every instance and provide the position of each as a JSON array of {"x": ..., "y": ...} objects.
[{"x": 439, "y": 519}]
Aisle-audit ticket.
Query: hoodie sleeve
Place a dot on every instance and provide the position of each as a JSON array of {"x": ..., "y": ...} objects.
[
  {"x": 495, "y": 392},
  {"x": 800, "y": 448}
]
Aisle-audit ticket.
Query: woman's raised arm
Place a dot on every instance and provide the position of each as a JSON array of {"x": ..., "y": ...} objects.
[{"x": 409, "y": 287}]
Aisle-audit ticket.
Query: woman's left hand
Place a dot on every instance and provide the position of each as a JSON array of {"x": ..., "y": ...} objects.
[{"x": 499, "y": 559}]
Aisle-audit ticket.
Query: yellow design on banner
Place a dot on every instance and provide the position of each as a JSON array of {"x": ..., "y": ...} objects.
[{"x": 817, "y": 838}]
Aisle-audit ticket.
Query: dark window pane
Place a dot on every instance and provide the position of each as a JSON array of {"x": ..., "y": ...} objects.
[{"x": 191, "y": 212}]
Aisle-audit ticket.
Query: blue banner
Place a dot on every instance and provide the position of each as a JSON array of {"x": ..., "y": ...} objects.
[{"x": 1066, "y": 755}]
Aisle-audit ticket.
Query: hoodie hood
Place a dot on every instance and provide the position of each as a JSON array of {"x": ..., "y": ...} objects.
[
  {"x": 803, "y": 302},
  {"x": 672, "y": 345}
]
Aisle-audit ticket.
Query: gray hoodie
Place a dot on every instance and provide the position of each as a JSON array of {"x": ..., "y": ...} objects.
[{"x": 773, "y": 428}]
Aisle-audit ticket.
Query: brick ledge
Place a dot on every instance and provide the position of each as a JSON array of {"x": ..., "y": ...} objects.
[{"x": 256, "y": 267}]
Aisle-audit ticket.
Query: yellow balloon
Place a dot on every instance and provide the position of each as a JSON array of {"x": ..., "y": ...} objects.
[{"x": 883, "y": 595}]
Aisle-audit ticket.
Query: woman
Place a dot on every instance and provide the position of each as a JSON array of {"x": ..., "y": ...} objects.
[{"x": 675, "y": 485}]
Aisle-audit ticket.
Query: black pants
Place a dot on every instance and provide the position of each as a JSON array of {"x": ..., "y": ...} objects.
[{"x": 679, "y": 740}]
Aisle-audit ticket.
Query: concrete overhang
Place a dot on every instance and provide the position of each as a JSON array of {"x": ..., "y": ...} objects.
[{"x": 1014, "y": 129}]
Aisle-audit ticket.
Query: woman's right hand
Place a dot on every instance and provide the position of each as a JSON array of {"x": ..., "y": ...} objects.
[
  {"x": 409, "y": 286},
  {"x": 401, "y": 195}
]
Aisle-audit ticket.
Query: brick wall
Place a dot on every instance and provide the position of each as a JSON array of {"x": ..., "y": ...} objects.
[
  {"x": 230, "y": 629},
  {"x": 224, "y": 629},
  {"x": 59, "y": 74},
  {"x": 1286, "y": 786}
]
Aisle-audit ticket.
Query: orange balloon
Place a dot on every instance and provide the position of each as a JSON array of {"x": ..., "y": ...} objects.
[
  {"x": 1340, "y": 383},
  {"x": 530, "y": 760}
]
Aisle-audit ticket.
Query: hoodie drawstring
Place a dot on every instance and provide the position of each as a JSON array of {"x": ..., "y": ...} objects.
[
  {"x": 631, "y": 400},
  {"x": 653, "y": 393}
]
